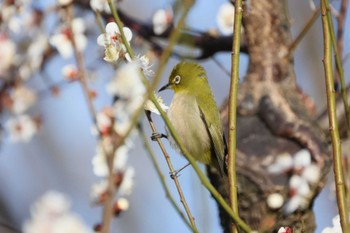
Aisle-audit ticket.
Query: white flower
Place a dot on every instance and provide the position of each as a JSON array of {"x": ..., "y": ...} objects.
[
  {"x": 99, "y": 162},
  {"x": 225, "y": 18},
  {"x": 274, "y": 201},
  {"x": 98, "y": 189},
  {"x": 70, "y": 72},
  {"x": 122, "y": 121},
  {"x": 22, "y": 99},
  {"x": 127, "y": 83},
  {"x": 62, "y": 40},
  {"x": 336, "y": 226},
  {"x": 161, "y": 20},
  {"x": 127, "y": 184},
  {"x": 100, "y": 5},
  {"x": 104, "y": 120},
  {"x": 311, "y": 173},
  {"x": 285, "y": 230},
  {"x": 300, "y": 185},
  {"x": 64, "y": 2},
  {"x": 302, "y": 159},
  {"x": 145, "y": 66},
  {"x": 122, "y": 204},
  {"x": 50, "y": 214},
  {"x": 21, "y": 128},
  {"x": 283, "y": 163},
  {"x": 149, "y": 105},
  {"x": 8, "y": 51},
  {"x": 113, "y": 44},
  {"x": 51, "y": 202},
  {"x": 70, "y": 223},
  {"x": 34, "y": 55},
  {"x": 294, "y": 203}
]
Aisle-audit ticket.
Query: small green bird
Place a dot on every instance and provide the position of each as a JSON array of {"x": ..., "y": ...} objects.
[{"x": 195, "y": 115}]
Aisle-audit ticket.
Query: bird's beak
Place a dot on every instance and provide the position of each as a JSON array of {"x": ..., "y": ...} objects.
[{"x": 164, "y": 87}]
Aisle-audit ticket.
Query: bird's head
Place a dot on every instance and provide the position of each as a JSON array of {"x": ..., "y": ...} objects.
[{"x": 186, "y": 76}]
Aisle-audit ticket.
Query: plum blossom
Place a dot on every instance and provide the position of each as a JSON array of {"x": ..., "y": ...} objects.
[
  {"x": 98, "y": 190},
  {"x": 303, "y": 174},
  {"x": 8, "y": 51},
  {"x": 50, "y": 214},
  {"x": 22, "y": 99},
  {"x": 129, "y": 89},
  {"x": 105, "y": 120},
  {"x": 285, "y": 230},
  {"x": 62, "y": 40},
  {"x": 225, "y": 18},
  {"x": 283, "y": 163},
  {"x": 162, "y": 19},
  {"x": 100, "y": 6},
  {"x": 275, "y": 201},
  {"x": 127, "y": 183},
  {"x": 113, "y": 44},
  {"x": 21, "y": 128},
  {"x": 64, "y": 2},
  {"x": 124, "y": 174},
  {"x": 149, "y": 105},
  {"x": 336, "y": 228},
  {"x": 99, "y": 162},
  {"x": 145, "y": 65},
  {"x": 34, "y": 56},
  {"x": 70, "y": 72},
  {"x": 121, "y": 205},
  {"x": 127, "y": 83}
]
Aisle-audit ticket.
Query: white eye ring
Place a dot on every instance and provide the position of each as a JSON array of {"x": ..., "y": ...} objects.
[{"x": 177, "y": 79}]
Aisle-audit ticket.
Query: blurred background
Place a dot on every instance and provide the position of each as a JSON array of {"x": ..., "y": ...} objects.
[{"x": 59, "y": 156}]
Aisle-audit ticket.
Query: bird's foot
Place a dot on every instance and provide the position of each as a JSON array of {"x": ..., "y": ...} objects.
[
  {"x": 155, "y": 136},
  {"x": 176, "y": 172}
]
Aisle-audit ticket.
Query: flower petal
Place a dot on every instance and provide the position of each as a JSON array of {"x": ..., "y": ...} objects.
[
  {"x": 127, "y": 33},
  {"x": 102, "y": 40},
  {"x": 112, "y": 28}
]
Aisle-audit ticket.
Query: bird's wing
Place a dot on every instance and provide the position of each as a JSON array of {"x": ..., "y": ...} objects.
[{"x": 217, "y": 140}]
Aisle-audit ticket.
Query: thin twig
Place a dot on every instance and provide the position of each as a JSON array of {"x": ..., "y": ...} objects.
[
  {"x": 161, "y": 177},
  {"x": 340, "y": 46},
  {"x": 232, "y": 117},
  {"x": 221, "y": 66},
  {"x": 339, "y": 65},
  {"x": 172, "y": 171},
  {"x": 303, "y": 32},
  {"x": 333, "y": 123}
]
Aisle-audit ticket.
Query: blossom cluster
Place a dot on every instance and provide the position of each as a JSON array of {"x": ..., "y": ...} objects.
[
  {"x": 336, "y": 228},
  {"x": 64, "y": 36},
  {"x": 20, "y": 26},
  {"x": 225, "y": 18},
  {"x": 111, "y": 40},
  {"x": 162, "y": 20},
  {"x": 128, "y": 90},
  {"x": 303, "y": 174},
  {"x": 51, "y": 214}
]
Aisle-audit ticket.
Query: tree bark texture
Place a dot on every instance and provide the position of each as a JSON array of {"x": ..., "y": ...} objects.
[{"x": 272, "y": 119}]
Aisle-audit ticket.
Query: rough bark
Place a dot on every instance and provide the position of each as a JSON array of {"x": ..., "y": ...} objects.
[{"x": 272, "y": 120}]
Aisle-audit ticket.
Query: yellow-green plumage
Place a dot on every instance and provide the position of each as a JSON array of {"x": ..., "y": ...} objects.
[{"x": 195, "y": 115}]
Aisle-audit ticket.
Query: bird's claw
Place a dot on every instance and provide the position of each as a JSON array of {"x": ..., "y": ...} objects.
[
  {"x": 156, "y": 136},
  {"x": 174, "y": 174}
]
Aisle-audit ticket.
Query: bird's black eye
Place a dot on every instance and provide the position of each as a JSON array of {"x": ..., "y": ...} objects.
[{"x": 177, "y": 79}]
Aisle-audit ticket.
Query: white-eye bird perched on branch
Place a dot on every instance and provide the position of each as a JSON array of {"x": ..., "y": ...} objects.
[{"x": 195, "y": 115}]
